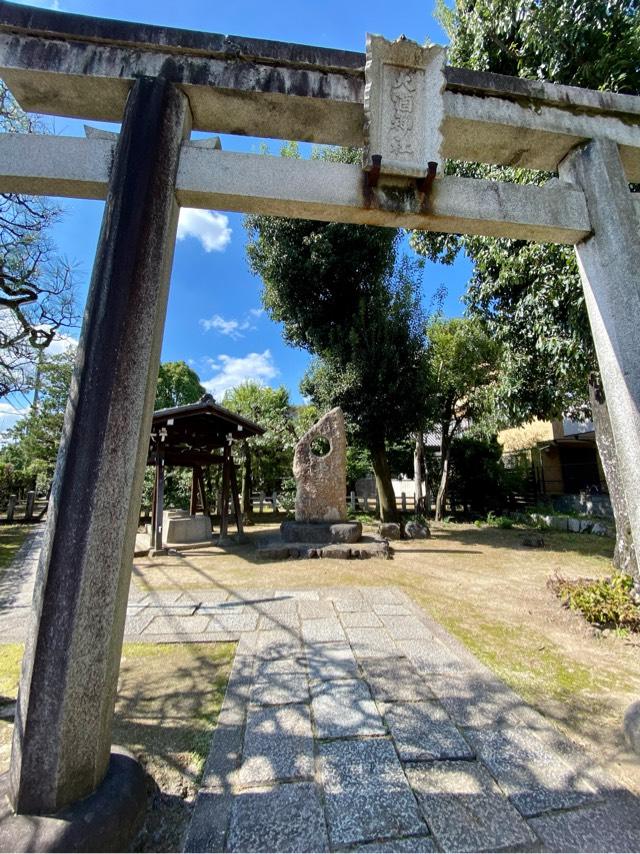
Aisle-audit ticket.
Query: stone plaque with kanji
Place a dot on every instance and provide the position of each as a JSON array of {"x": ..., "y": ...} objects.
[{"x": 403, "y": 105}]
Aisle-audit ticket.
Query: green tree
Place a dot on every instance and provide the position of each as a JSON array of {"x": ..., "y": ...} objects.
[
  {"x": 462, "y": 365},
  {"x": 37, "y": 291},
  {"x": 267, "y": 459},
  {"x": 32, "y": 444},
  {"x": 344, "y": 293},
  {"x": 178, "y": 385},
  {"x": 530, "y": 295}
]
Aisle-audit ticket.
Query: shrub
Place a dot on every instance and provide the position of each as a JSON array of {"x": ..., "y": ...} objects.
[{"x": 604, "y": 602}]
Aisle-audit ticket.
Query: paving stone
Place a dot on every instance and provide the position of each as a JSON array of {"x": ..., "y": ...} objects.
[
  {"x": 431, "y": 656},
  {"x": 209, "y": 822},
  {"x": 316, "y": 610},
  {"x": 281, "y": 689},
  {"x": 360, "y": 619},
  {"x": 366, "y": 793},
  {"x": 277, "y": 643},
  {"x": 232, "y": 622},
  {"x": 161, "y": 597},
  {"x": 465, "y": 809},
  {"x": 274, "y": 668},
  {"x": 287, "y": 620},
  {"x": 331, "y": 661},
  {"x": 283, "y": 818},
  {"x": 383, "y": 596},
  {"x": 371, "y": 643},
  {"x": 344, "y": 708},
  {"x": 614, "y": 826},
  {"x": 278, "y": 745},
  {"x": 276, "y": 607},
  {"x": 475, "y": 700},
  {"x": 222, "y": 609},
  {"x": 417, "y": 844},
  {"x": 405, "y": 628},
  {"x": 177, "y": 625},
  {"x": 424, "y": 731},
  {"x": 395, "y": 679},
  {"x": 323, "y": 631},
  {"x": 392, "y": 609},
  {"x": 298, "y": 595},
  {"x": 535, "y": 778},
  {"x": 204, "y": 596},
  {"x": 137, "y": 622},
  {"x": 350, "y": 602}
]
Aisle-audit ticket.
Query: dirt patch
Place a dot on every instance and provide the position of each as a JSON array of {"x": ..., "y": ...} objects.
[{"x": 169, "y": 697}]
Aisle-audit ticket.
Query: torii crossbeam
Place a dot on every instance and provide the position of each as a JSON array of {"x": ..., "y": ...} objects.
[{"x": 160, "y": 83}]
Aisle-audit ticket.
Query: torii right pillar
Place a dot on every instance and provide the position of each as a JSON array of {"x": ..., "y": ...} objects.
[{"x": 609, "y": 262}]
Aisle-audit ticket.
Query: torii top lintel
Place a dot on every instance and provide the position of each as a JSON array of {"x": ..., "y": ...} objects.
[{"x": 73, "y": 65}]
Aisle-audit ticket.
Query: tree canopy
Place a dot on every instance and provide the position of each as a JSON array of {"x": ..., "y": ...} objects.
[
  {"x": 344, "y": 293},
  {"x": 178, "y": 385},
  {"x": 37, "y": 292}
]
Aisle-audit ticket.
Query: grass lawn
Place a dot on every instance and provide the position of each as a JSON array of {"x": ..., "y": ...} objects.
[
  {"x": 169, "y": 697},
  {"x": 490, "y": 591},
  {"x": 11, "y": 538}
]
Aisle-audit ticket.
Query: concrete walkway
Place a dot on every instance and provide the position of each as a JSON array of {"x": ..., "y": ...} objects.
[{"x": 352, "y": 721}]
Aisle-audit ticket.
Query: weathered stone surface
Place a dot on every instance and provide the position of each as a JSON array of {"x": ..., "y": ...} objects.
[
  {"x": 612, "y": 826},
  {"x": 320, "y": 533},
  {"x": 367, "y": 796},
  {"x": 372, "y": 643},
  {"x": 412, "y": 843},
  {"x": 179, "y": 527},
  {"x": 431, "y": 656},
  {"x": 405, "y": 628},
  {"x": 535, "y": 778},
  {"x": 278, "y": 745},
  {"x": 337, "y": 552},
  {"x": 344, "y": 708},
  {"x": 390, "y": 531},
  {"x": 321, "y": 480},
  {"x": 283, "y": 818},
  {"x": 360, "y": 619},
  {"x": 331, "y": 661},
  {"x": 395, "y": 679},
  {"x": 475, "y": 700},
  {"x": 323, "y": 631},
  {"x": 465, "y": 809},
  {"x": 423, "y": 731},
  {"x": 281, "y": 689},
  {"x": 61, "y": 750},
  {"x": 416, "y": 531},
  {"x": 403, "y": 105}
]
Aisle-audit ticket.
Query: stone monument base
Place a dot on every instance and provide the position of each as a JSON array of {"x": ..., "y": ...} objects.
[
  {"x": 320, "y": 533},
  {"x": 106, "y": 820},
  {"x": 367, "y": 547}
]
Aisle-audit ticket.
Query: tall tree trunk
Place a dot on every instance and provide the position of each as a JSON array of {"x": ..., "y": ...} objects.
[
  {"x": 247, "y": 484},
  {"x": 441, "y": 497},
  {"x": 625, "y": 555},
  {"x": 418, "y": 456},
  {"x": 388, "y": 512}
]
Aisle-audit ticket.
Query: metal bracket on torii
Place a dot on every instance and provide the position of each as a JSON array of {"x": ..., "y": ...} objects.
[{"x": 408, "y": 112}]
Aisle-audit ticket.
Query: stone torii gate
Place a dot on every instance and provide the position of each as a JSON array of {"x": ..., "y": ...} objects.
[{"x": 408, "y": 112}]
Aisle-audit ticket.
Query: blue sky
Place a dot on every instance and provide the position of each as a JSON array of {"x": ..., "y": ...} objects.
[{"x": 214, "y": 319}]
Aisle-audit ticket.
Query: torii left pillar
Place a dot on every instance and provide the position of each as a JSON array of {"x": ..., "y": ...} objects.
[{"x": 62, "y": 762}]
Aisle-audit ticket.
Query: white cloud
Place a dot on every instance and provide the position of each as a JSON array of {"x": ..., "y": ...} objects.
[
  {"x": 9, "y": 414},
  {"x": 230, "y": 371},
  {"x": 232, "y": 328},
  {"x": 209, "y": 227},
  {"x": 60, "y": 344}
]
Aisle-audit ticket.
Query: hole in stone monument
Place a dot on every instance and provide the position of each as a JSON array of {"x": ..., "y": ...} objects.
[{"x": 320, "y": 446}]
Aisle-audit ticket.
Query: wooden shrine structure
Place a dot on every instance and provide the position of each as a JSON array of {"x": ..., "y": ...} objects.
[{"x": 196, "y": 436}]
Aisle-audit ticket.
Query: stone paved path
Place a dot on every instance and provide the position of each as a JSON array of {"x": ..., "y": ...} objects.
[{"x": 354, "y": 722}]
